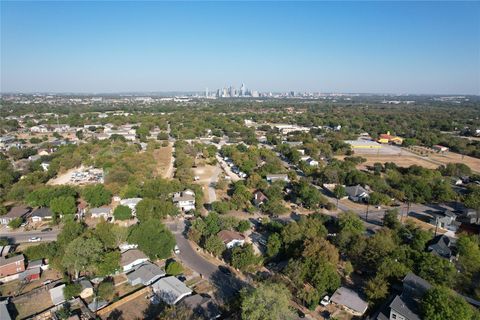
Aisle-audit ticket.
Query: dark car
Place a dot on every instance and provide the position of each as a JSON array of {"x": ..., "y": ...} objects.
[
  {"x": 47, "y": 229},
  {"x": 300, "y": 314},
  {"x": 225, "y": 270}
]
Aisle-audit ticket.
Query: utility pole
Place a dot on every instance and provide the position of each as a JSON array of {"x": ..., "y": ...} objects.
[{"x": 436, "y": 226}]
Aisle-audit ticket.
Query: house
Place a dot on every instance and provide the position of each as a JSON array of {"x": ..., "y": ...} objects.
[
  {"x": 231, "y": 238},
  {"x": 56, "y": 294},
  {"x": 387, "y": 138},
  {"x": 41, "y": 214},
  {"x": 311, "y": 162},
  {"x": 349, "y": 300},
  {"x": 132, "y": 258},
  {"x": 131, "y": 203},
  {"x": 440, "y": 246},
  {"x": 12, "y": 265},
  {"x": 204, "y": 306},
  {"x": 470, "y": 216},
  {"x": 259, "y": 198},
  {"x": 171, "y": 290},
  {"x": 444, "y": 219},
  {"x": 277, "y": 177},
  {"x": 184, "y": 200},
  {"x": 357, "y": 193},
  {"x": 406, "y": 305},
  {"x": 146, "y": 274},
  {"x": 35, "y": 264},
  {"x": 4, "y": 313},
  {"x": 102, "y": 212},
  {"x": 87, "y": 289},
  {"x": 14, "y": 213}
]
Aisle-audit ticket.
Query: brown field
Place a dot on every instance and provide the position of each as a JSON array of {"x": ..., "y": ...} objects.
[
  {"x": 163, "y": 158},
  {"x": 399, "y": 160},
  {"x": 473, "y": 163}
]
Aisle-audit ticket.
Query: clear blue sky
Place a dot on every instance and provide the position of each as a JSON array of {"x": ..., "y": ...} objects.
[{"x": 378, "y": 47}]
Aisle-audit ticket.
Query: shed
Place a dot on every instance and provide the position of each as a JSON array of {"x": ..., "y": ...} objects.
[{"x": 56, "y": 294}]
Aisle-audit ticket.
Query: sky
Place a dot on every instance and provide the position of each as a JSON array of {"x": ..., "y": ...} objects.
[{"x": 362, "y": 47}]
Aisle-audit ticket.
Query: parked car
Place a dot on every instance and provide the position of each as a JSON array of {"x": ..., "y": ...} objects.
[
  {"x": 176, "y": 249},
  {"x": 325, "y": 301},
  {"x": 47, "y": 229},
  {"x": 225, "y": 270},
  {"x": 35, "y": 239}
]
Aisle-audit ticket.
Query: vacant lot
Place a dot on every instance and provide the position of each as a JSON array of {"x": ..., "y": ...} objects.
[
  {"x": 473, "y": 163},
  {"x": 164, "y": 163},
  {"x": 404, "y": 160}
]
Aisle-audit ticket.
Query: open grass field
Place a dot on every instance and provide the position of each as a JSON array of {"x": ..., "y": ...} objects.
[
  {"x": 163, "y": 159},
  {"x": 473, "y": 163}
]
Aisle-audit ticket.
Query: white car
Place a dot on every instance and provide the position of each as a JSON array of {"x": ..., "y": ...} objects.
[
  {"x": 176, "y": 249},
  {"x": 325, "y": 301},
  {"x": 35, "y": 239}
]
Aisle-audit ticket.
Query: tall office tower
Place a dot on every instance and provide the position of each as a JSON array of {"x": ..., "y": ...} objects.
[
  {"x": 231, "y": 91},
  {"x": 242, "y": 90},
  {"x": 225, "y": 94},
  {"x": 206, "y": 93}
]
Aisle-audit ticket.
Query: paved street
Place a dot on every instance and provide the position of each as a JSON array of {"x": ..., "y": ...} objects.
[
  {"x": 23, "y": 236},
  {"x": 227, "y": 285}
]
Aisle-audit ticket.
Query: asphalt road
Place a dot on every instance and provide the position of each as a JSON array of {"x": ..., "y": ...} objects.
[
  {"x": 23, "y": 236},
  {"x": 227, "y": 285}
]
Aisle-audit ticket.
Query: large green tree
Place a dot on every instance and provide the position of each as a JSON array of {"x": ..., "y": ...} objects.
[
  {"x": 153, "y": 238},
  {"x": 441, "y": 303},
  {"x": 266, "y": 301},
  {"x": 82, "y": 255}
]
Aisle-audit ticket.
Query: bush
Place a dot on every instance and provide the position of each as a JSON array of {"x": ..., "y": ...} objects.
[
  {"x": 72, "y": 290},
  {"x": 122, "y": 213},
  {"x": 243, "y": 226},
  {"x": 15, "y": 223},
  {"x": 106, "y": 290},
  {"x": 174, "y": 268}
]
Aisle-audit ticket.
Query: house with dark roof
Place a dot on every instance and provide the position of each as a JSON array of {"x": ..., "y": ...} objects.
[
  {"x": 357, "y": 193},
  {"x": 406, "y": 306},
  {"x": 441, "y": 246},
  {"x": 146, "y": 274},
  {"x": 259, "y": 198},
  {"x": 41, "y": 214},
  {"x": 14, "y": 213}
]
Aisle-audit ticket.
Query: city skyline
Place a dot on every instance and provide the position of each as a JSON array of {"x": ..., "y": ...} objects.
[{"x": 378, "y": 48}]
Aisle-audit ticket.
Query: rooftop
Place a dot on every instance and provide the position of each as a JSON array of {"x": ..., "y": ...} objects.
[
  {"x": 350, "y": 299},
  {"x": 131, "y": 255}
]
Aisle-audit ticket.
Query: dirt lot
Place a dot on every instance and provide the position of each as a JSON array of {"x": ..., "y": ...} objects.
[
  {"x": 400, "y": 160},
  {"x": 163, "y": 157},
  {"x": 473, "y": 163}
]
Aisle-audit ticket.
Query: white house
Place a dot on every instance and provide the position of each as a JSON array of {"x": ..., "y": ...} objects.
[
  {"x": 231, "y": 238},
  {"x": 184, "y": 200},
  {"x": 277, "y": 177},
  {"x": 41, "y": 214},
  {"x": 132, "y": 258},
  {"x": 102, "y": 212}
]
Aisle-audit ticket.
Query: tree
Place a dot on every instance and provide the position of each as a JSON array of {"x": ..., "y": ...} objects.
[
  {"x": 72, "y": 290},
  {"x": 109, "y": 263},
  {"x": 244, "y": 258},
  {"x": 153, "y": 238},
  {"x": 214, "y": 245},
  {"x": 274, "y": 244},
  {"x": 122, "y": 213},
  {"x": 15, "y": 223},
  {"x": 155, "y": 209},
  {"x": 391, "y": 219},
  {"x": 63, "y": 205},
  {"x": 440, "y": 303},
  {"x": 435, "y": 269},
  {"x": 266, "y": 301},
  {"x": 82, "y": 255},
  {"x": 376, "y": 289},
  {"x": 71, "y": 230},
  {"x": 243, "y": 226},
  {"x": 339, "y": 191},
  {"x": 174, "y": 268},
  {"x": 97, "y": 195}
]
